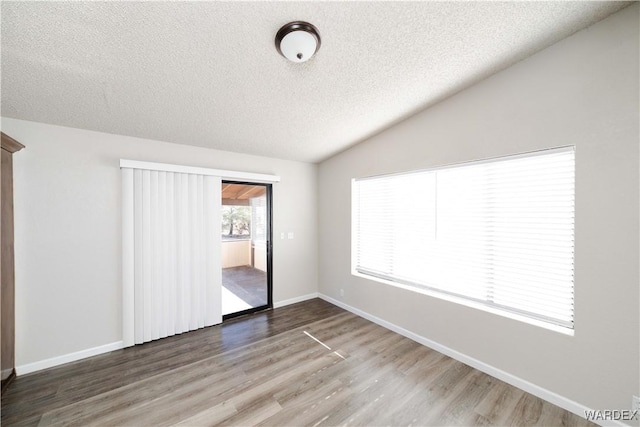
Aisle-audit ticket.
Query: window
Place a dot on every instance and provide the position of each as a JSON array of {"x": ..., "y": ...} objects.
[
  {"x": 259, "y": 218},
  {"x": 496, "y": 233}
]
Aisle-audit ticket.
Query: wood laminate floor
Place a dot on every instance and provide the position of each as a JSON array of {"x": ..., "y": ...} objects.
[{"x": 308, "y": 364}]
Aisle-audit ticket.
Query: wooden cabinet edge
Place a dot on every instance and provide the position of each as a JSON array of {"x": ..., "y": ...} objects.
[{"x": 9, "y": 144}]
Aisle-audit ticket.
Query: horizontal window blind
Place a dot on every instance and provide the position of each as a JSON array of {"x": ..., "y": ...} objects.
[
  {"x": 258, "y": 218},
  {"x": 498, "y": 232}
]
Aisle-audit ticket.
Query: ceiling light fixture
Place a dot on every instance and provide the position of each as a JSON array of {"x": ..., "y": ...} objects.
[{"x": 298, "y": 41}]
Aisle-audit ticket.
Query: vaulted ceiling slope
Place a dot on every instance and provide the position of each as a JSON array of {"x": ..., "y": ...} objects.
[{"x": 208, "y": 73}]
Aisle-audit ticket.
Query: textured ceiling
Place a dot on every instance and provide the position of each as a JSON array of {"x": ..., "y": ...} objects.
[{"x": 208, "y": 74}]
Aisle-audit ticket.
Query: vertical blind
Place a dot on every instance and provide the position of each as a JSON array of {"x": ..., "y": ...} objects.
[
  {"x": 171, "y": 228},
  {"x": 498, "y": 232}
]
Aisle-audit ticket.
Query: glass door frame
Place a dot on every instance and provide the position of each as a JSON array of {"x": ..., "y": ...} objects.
[{"x": 269, "y": 243}]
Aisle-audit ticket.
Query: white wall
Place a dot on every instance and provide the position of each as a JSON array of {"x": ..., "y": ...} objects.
[
  {"x": 68, "y": 231},
  {"x": 583, "y": 91}
]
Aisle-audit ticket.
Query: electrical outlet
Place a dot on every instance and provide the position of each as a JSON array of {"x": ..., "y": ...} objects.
[
  {"x": 635, "y": 403},
  {"x": 341, "y": 292}
]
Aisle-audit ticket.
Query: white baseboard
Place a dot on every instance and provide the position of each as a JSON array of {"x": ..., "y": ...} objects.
[
  {"x": 531, "y": 388},
  {"x": 290, "y": 301},
  {"x": 72, "y": 357},
  {"x": 527, "y": 386},
  {"x": 66, "y": 358}
]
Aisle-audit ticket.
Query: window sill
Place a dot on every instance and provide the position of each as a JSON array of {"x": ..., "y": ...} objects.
[{"x": 451, "y": 298}]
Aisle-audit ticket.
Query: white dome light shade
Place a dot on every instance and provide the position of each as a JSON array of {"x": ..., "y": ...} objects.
[
  {"x": 298, "y": 46},
  {"x": 298, "y": 41}
]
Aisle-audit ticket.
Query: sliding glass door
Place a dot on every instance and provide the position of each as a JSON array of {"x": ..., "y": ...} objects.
[
  {"x": 246, "y": 247},
  {"x": 180, "y": 270}
]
